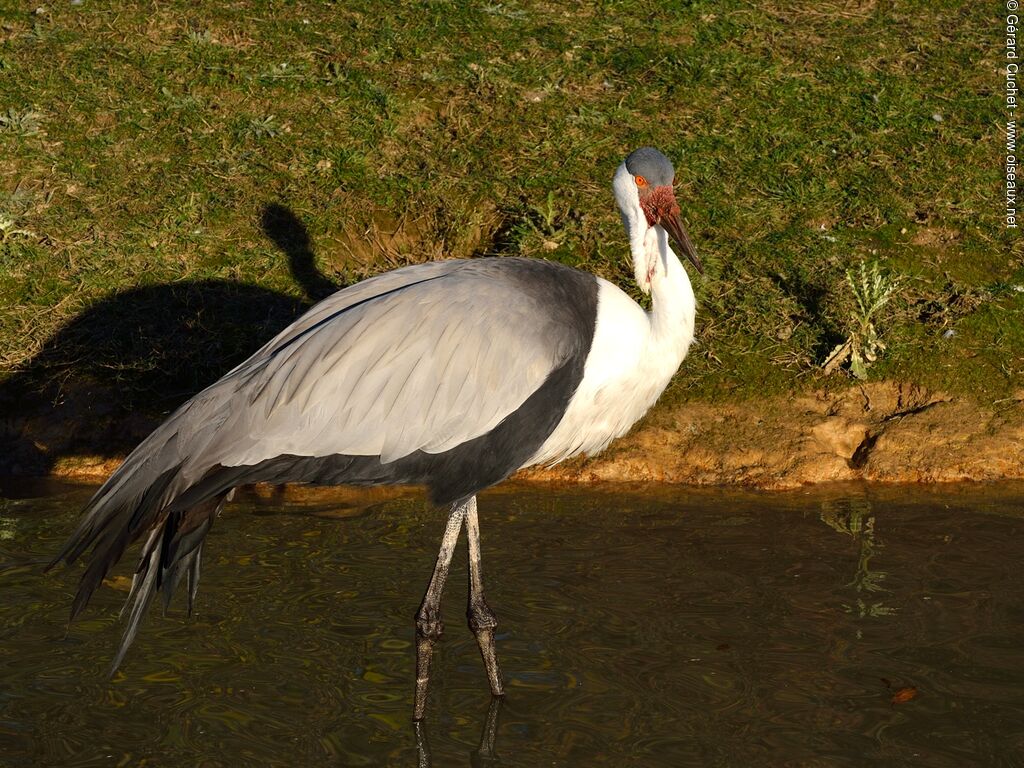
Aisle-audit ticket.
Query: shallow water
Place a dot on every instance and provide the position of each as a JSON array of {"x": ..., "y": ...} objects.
[{"x": 644, "y": 627}]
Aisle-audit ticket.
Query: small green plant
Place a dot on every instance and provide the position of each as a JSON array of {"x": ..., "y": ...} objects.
[
  {"x": 199, "y": 37},
  {"x": 261, "y": 128},
  {"x": 22, "y": 122},
  {"x": 872, "y": 290},
  {"x": 544, "y": 223},
  {"x": 547, "y": 216}
]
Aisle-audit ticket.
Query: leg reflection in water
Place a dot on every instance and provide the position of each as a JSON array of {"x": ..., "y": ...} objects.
[{"x": 483, "y": 756}]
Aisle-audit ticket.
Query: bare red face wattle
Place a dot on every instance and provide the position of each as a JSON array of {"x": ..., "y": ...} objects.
[
  {"x": 657, "y": 202},
  {"x": 660, "y": 207}
]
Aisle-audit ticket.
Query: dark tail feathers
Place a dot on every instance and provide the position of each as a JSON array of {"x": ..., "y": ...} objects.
[
  {"x": 172, "y": 551},
  {"x": 109, "y": 527}
]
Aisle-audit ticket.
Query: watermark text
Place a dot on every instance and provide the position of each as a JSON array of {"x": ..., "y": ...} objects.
[{"x": 1012, "y": 94}]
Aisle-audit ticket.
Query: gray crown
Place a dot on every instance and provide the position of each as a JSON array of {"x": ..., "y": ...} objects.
[{"x": 652, "y": 165}]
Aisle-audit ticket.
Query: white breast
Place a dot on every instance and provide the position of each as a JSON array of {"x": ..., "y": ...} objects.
[{"x": 627, "y": 369}]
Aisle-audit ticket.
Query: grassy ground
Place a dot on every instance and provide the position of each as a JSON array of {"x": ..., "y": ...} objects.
[{"x": 141, "y": 145}]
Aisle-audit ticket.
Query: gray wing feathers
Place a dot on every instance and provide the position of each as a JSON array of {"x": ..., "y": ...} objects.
[
  {"x": 347, "y": 298},
  {"x": 171, "y": 458},
  {"x": 423, "y": 358},
  {"x": 425, "y": 366}
]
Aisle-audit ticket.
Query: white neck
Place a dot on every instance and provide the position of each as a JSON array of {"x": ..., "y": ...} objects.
[
  {"x": 673, "y": 305},
  {"x": 658, "y": 271},
  {"x": 633, "y": 354}
]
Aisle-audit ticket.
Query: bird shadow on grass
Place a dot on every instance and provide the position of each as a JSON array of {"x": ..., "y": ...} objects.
[{"x": 105, "y": 379}]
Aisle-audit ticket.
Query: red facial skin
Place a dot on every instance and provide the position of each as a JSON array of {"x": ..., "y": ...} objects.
[
  {"x": 660, "y": 207},
  {"x": 657, "y": 202}
]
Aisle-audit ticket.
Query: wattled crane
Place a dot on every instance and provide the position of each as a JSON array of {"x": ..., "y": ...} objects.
[{"x": 450, "y": 374}]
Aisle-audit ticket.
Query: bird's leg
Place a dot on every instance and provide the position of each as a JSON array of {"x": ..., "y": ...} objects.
[
  {"x": 482, "y": 620},
  {"x": 429, "y": 626}
]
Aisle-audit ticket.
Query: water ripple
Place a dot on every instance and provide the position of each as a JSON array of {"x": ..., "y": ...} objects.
[{"x": 648, "y": 628}]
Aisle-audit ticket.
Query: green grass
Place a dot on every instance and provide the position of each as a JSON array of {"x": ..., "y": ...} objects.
[{"x": 139, "y": 144}]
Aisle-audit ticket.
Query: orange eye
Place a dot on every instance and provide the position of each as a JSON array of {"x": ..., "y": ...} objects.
[{"x": 641, "y": 181}]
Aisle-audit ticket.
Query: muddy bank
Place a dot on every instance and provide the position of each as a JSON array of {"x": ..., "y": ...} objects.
[
  {"x": 883, "y": 432},
  {"x": 880, "y": 432}
]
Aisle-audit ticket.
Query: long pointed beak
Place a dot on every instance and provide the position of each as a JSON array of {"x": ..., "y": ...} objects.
[{"x": 670, "y": 221}]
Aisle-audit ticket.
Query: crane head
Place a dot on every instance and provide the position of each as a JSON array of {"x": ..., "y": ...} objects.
[{"x": 651, "y": 190}]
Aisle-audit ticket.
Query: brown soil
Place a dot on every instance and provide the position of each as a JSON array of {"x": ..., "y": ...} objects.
[{"x": 880, "y": 432}]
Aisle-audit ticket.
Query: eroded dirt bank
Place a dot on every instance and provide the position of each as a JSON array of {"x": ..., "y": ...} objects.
[{"x": 881, "y": 432}]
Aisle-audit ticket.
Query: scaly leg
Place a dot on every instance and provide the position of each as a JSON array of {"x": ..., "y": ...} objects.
[
  {"x": 482, "y": 620},
  {"x": 429, "y": 626}
]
